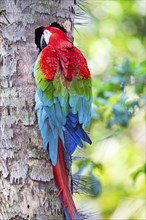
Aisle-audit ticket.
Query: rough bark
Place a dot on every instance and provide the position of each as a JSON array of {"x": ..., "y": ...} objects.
[{"x": 27, "y": 188}]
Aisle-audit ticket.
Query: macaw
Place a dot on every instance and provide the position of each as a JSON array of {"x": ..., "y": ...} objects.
[{"x": 63, "y": 104}]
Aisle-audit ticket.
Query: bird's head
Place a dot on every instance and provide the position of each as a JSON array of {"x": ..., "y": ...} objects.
[
  {"x": 54, "y": 33},
  {"x": 44, "y": 34}
]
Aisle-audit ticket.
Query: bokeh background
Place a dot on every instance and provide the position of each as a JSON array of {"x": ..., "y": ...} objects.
[{"x": 111, "y": 34}]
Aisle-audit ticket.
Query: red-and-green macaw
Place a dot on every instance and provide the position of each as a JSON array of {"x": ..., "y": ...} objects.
[{"x": 63, "y": 105}]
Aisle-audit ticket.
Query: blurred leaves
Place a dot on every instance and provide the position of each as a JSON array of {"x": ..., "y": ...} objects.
[
  {"x": 113, "y": 43},
  {"x": 88, "y": 185},
  {"x": 120, "y": 93},
  {"x": 140, "y": 170}
]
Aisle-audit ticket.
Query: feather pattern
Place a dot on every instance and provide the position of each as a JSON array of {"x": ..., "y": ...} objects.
[{"x": 63, "y": 105}]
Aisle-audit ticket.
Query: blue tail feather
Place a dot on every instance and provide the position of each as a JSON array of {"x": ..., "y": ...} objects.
[
  {"x": 74, "y": 135},
  {"x": 70, "y": 143},
  {"x": 82, "y": 134}
]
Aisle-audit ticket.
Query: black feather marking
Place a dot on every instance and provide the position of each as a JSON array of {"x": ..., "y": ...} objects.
[
  {"x": 38, "y": 34},
  {"x": 55, "y": 24}
]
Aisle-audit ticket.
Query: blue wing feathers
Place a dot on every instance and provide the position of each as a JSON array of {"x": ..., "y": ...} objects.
[
  {"x": 51, "y": 122},
  {"x": 43, "y": 126},
  {"x": 70, "y": 144},
  {"x": 83, "y": 135},
  {"x": 75, "y": 133},
  {"x": 74, "y": 136},
  {"x": 58, "y": 112},
  {"x": 73, "y": 100},
  {"x": 81, "y": 112},
  {"x": 61, "y": 113},
  {"x": 53, "y": 147}
]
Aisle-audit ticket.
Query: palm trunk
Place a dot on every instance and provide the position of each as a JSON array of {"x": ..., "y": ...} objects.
[{"x": 27, "y": 188}]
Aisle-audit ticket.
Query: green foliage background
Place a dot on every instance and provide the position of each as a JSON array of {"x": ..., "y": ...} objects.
[{"x": 112, "y": 37}]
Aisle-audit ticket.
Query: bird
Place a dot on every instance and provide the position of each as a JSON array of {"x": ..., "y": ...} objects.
[{"x": 63, "y": 105}]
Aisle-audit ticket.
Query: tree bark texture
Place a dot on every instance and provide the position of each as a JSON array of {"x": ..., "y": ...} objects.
[{"x": 27, "y": 188}]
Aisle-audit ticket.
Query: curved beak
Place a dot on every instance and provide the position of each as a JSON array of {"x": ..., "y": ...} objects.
[{"x": 42, "y": 42}]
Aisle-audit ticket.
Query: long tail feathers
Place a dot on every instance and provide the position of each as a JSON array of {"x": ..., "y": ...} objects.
[{"x": 62, "y": 181}]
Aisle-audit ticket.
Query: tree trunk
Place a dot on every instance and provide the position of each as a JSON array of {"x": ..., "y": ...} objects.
[{"x": 27, "y": 188}]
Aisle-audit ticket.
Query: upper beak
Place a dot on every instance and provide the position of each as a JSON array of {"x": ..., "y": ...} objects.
[{"x": 42, "y": 42}]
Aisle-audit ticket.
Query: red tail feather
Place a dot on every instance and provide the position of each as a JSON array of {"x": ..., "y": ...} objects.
[{"x": 62, "y": 182}]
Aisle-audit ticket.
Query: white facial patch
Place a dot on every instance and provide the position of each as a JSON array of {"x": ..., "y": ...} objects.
[{"x": 47, "y": 35}]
